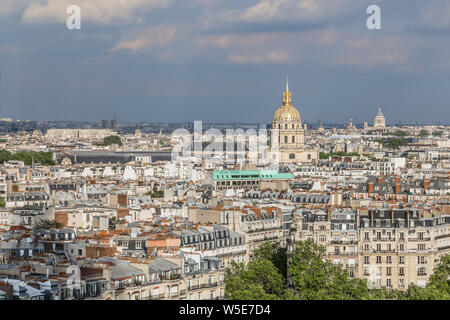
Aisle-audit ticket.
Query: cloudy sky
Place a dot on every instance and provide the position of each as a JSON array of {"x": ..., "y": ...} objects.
[{"x": 224, "y": 60}]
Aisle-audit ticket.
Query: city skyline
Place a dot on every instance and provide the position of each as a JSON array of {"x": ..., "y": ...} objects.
[{"x": 168, "y": 61}]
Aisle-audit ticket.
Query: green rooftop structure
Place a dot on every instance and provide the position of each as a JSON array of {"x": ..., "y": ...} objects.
[{"x": 251, "y": 175}]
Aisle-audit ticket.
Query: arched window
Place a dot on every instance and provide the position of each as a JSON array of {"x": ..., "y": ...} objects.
[{"x": 293, "y": 126}]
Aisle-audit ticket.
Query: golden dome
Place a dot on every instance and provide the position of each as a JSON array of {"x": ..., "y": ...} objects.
[{"x": 287, "y": 112}]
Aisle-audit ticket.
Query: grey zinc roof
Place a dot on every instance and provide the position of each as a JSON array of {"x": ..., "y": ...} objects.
[{"x": 162, "y": 265}]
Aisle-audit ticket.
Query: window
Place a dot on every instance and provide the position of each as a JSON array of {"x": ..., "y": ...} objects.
[
  {"x": 401, "y": 260},
  {"x": 366, "y": 260},
  {"x": 293, "y": 139},
  {"x": 388, "y": 271},
  {"x": 402, "y": 236},
  {"x": 378, "y": 259},
  {"x": 388, "y": 259},
  {"x": 285, "y": 139},
  {"x": 388, "y": 283},
  {"x": 366, "y": 235},
  {"x": 401, "y": 271},
  {"x": 291, "y": 155},
  {"x": 421, "y": 271},
  {"x": 378, "y": 247}
]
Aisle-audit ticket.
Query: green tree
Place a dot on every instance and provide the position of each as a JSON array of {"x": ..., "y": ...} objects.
[
  {"x": 316, "y": 278},
  {"x": 399, "y": 133},
  {"x": 259, "y": 280},
  {"x": 2, "y": 202},
  {"x": 109, "y": 140},
  {"x": 423, "y": 133},
  {"x": 393, "y": 143},
  {"x": 274, "y": 253},
  {"x": 5, "y": 156}
]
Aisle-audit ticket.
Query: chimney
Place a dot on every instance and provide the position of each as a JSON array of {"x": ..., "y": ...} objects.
[
  {"x": 426, "y": 183},
  {"x": 370, "y": 187},
  {"x": 397, "y": 188},
  {"x": 380, "y": 179}
]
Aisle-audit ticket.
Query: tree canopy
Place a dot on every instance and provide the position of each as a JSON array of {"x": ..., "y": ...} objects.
[
  {"x": 313, "y": 277},
  {"x": 44, "y": 158},
  {"x": 112, "y": 140}
]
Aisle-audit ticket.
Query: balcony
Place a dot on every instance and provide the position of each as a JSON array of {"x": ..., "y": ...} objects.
[
  {"x": 265, "y": 239},
  {"x": 385, "y": 251},
  {"x": 212, "y": 284},
  {"x": 418, "y": 240},
  {"x": 384, "y": 239},
  {"x": 154, "y": 297},
  {"x": 263, "y": 229},
  {"x": 342, "y": 253},
  {"x": 204, "y": 285},
  {"x": 343, "y": 242}
]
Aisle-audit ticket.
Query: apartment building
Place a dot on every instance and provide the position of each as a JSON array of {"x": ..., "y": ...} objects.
[{"x": 391, "y": 248}]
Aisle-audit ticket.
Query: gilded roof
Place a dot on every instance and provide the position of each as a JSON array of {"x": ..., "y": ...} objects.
[{"x": 287, "y": 112}]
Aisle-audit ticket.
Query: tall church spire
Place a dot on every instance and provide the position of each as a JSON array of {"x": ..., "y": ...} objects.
[{"x": 287, "y": 98}]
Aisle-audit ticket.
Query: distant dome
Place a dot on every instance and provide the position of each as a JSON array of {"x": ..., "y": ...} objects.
[
  {"x": 379, "y": 121},
  {"x": 379, "y": 113}
]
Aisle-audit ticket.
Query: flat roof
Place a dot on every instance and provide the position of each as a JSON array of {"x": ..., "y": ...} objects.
[{"x": 251, "y": 175}]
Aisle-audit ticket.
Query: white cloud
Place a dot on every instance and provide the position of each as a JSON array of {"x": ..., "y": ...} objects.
[
  {"x": 301, "y": 11},
  {"x": 236, "y": 40},
  {"x": 92, "y": 11},
  {"x": 149, "y": 37},
  {"x": 8, "y": 7},
  {"x": 261, "y": 57}
]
